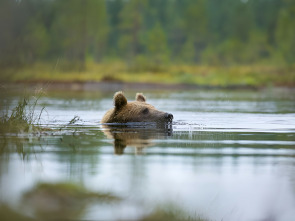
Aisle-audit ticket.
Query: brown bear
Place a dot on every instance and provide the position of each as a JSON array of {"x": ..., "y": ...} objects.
[{"x": 135, "y": 111}]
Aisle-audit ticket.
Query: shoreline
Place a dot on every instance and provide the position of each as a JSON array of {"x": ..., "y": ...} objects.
[
  {"x": 117, "y": 85},
  {"x": 116, "y": 75}
]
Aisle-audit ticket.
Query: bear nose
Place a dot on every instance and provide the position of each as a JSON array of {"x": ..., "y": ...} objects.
[{"x": 169, "y": 116}]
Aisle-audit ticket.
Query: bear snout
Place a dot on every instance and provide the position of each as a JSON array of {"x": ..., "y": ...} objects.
[{"x": 169, "y": 116}]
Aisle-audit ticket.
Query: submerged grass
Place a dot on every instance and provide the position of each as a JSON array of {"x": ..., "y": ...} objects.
[{"x": 22, "y": 118}]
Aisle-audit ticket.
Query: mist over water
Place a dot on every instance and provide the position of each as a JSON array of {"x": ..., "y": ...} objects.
[{"x": 228, "y": 155}]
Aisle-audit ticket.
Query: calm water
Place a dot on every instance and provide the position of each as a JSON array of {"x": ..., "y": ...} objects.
[{"x": 230, "y": 155}]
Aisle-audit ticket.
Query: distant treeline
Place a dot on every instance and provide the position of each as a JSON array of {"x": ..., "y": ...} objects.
[{"x": 147, "y": 32}]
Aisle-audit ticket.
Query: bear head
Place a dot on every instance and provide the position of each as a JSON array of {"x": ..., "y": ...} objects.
[{"x": 135, "y": 111}]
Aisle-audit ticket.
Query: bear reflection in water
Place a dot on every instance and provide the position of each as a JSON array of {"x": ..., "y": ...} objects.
[
  {"x": 133, "y": 135},
  {"x": 135, "y": 123},
  {"x": 134, "y": 111}
]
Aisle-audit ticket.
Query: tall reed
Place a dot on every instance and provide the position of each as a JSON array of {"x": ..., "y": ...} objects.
[{"x": 23, "y": 117}]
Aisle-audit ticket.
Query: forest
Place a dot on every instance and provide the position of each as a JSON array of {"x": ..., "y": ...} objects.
[{"x": 146, "y": 34}]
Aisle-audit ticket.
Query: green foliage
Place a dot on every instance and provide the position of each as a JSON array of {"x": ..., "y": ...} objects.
[
  {"x": 188, "y": 51},
  {"x": 156, "y": 47},
  {"x": 78, "y": 29},
  {"x": 236, "y": 51},
  {"x": 285, "y": 32},
  {"x": 146, "y": 32},
  {"x": 196, "y": 18},
  {"x": 130, "y": 27},
  {"x": 36, "y": 39}
]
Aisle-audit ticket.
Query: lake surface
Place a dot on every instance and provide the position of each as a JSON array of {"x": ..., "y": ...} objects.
[{"x": 229, "y": 155}]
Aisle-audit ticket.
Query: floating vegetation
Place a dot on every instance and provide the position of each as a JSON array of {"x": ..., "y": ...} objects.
[
  {"x": 74, "y": 120},
  {"x": 63, "y": 200},
  {"x": 64, "y": 191},
  {"x": 172, "y": 213}
]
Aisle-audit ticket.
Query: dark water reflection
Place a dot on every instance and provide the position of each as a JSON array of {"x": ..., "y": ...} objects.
[
  {"x": 229, "y": 155},
  {"x": 137, "y": 135}
]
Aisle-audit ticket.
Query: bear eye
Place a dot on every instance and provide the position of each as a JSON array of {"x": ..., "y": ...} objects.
[{"x": 145, "y": 111}]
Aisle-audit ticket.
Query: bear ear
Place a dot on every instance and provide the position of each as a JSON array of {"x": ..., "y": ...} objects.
[
  {"x": 119, "y": 99},
  {"x": 140, "y": 97}
]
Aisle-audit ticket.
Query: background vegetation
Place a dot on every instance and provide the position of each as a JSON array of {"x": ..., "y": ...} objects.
[{"x": 57, "y": 37}]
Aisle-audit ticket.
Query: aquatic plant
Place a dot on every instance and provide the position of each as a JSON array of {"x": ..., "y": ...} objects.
[
  {"x": 68, "y": 192},
  {"x": 22, "y": 118},
  {"x": 172, "y": 213},
  {"x": 74, "y": 120},
  {"x": 62, "y": 201}
]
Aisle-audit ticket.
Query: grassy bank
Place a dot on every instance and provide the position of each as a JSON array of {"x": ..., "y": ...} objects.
[{"x": 250, "y": 75}]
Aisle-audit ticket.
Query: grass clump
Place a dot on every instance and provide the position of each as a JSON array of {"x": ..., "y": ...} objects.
[
  {"x": 69, "y": 193},
  {"x": 172, "y": 213},
  {"x": 22, "y": 118},
  {"x": 63, "y": 201}
]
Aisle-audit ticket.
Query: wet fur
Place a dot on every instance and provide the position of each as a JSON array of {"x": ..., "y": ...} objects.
[{"x": 135, "y": 111}]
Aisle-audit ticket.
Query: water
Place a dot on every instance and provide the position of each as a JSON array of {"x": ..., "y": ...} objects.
[{"x": 230, "y": 155}]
